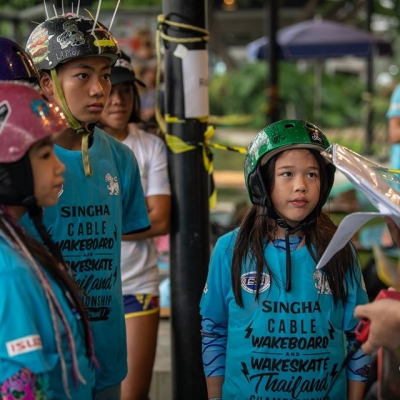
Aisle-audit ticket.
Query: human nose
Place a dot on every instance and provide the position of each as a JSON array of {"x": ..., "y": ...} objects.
[
  {"x": 300, "y": 185},
  {"x": 116, "y": 98},
  {"x": 97, "y": 90},
  {"x": 59, "y": 166}
]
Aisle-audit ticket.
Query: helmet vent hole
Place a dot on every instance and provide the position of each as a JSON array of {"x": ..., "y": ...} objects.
[{"x": 290, "y": 125}]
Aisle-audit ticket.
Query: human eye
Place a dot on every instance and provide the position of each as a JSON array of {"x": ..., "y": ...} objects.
[
  {"x": 82, "y": 75},
  {"x": 313, "y": 175},
  {"x": 286, "y": 174},
  {"x": 47, "y": 151},
  {"x": 107, "y": 76}
]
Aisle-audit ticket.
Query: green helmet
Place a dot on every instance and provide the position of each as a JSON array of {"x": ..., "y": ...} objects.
[
  {"x": 274, "y": 139},
  {"x": 65, "y": 37}
]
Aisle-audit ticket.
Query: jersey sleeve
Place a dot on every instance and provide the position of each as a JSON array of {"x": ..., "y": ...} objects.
[
  {"x": 214, "y": 301},
  {"x": 23, "y": 312},
  {"x": 214, "y": 308}
]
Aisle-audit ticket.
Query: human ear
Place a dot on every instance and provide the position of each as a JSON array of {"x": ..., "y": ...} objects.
[{"x": 46, "y": 83}]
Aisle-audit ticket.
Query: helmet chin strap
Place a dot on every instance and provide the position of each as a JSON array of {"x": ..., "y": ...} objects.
[
  {"x": 290, "y": 231},
  {"x": 75, "y": 125}
]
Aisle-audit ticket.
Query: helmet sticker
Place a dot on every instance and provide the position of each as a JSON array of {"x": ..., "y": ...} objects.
[
  {"x": 5, "y": 111},
  {"x": 40, "y": 108},
  {"x": 38, "y": 45},
  {"x": 315, "y": 133},
  {"x": 71, "y": 35},
  {"x": 122, "y": 63}
]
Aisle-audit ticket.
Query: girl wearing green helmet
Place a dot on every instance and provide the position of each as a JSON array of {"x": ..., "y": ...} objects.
[
  {"x": 102, "y": 196},
  {"x": 272, "y": 325}
]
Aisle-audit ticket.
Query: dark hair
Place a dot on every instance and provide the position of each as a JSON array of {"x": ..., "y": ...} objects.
[
  {"x": 51, "y": 263},
  {"x": 257, "y": 230},
  {"x": 135, "y": 116}
]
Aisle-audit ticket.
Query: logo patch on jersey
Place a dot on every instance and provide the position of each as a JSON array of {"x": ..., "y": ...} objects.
[
  {"x": 113, "y": 186},
  {"x": 322, "y": 284},
  {"x": 249, "y": 282},
  {"x": 5, "y": 111},
  {"x": 24, "y": 345}
]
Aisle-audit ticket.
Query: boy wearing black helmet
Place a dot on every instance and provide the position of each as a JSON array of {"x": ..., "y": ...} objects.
[
  {"x": 274, "y": 326},
  {"x": 102, "y": 197}
]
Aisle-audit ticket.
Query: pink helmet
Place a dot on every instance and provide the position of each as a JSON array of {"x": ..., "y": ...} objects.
[{"x": 25, "y": 118}]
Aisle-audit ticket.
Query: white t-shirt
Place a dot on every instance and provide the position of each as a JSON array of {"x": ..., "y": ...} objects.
[{"x": 139, "y": 258}]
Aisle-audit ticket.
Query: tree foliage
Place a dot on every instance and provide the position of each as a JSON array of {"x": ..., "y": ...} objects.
[{"x": 244, "y": 91}]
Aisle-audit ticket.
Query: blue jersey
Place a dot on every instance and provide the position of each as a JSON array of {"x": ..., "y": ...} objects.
[
  {"x": 394, "y": 111},
  {"x": 287, "y": 345},
  {"x": 87, "y": 223},
  {"x": 27, "y": 336}
]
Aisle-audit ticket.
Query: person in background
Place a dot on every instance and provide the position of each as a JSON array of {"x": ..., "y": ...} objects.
[
  {"x": 140, "y": 277},
  {"x": 142, "y": 46},
  {"x": 102, "y": 197},
  {"x": 393, "y": 116},
  {"x": 46, "y": 347},
  {"x": 272, "y": 325}
]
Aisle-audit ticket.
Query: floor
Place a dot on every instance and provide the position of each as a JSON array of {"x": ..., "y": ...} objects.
[{"x": 161, "y": 385}]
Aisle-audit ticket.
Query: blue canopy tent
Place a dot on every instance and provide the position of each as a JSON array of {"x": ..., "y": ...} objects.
[{"x": 319, "y": 40}]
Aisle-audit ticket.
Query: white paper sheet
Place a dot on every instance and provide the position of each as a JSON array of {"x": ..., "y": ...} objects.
[
  {"x": 195, "y": 81},
  {"x": 346, "y": 230},
  {"x": 379, "y": 185}
]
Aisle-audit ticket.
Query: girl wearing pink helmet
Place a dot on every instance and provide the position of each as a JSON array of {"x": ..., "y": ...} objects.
[{"x": 46, "y": 346}]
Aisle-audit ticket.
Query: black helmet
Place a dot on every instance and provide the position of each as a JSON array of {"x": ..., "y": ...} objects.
[
  {"x": 16, "y": 64},
  {"x": 63, "y": 38}
]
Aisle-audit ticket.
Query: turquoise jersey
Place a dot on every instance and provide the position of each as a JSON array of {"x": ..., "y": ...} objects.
[
  {"x": 27, "y": 336},
  {"x": 288, "y": 345},
  {"x": 87, "y": 223}
]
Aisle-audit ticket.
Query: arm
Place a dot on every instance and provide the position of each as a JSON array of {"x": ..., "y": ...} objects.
[
  {"x": 214, "y": 387},
  {"x": 384, "y": 316},
  {"x": 159, "y": 210},
  {"x": 214, "y": 339},
  {"x": 355, "y": 390},
  {"x": 394, "y": 130}
]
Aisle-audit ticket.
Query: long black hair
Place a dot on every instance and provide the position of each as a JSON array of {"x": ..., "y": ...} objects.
[{"x": 257, "y": 230}]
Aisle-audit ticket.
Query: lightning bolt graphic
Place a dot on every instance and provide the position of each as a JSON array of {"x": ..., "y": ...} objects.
[
  {"x": 334, "y": 370},
  {"x": 249, "y": 330},
  {"x": 245, "y": 371}
]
